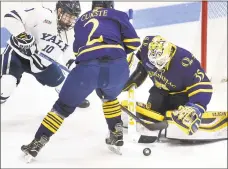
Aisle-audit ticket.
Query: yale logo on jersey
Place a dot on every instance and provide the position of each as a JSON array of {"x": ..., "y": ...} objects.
[{"x": 54, "y": 39}]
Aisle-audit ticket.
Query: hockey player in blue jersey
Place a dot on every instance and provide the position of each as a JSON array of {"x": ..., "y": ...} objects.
[
  {"x": 33, "y": 31},
  {"x": 180, "y": 84},
  {"x": 103, "y": 38}
]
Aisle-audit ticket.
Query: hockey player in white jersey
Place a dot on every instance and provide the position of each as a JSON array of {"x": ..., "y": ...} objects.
[{"x": 35, "y": 31}]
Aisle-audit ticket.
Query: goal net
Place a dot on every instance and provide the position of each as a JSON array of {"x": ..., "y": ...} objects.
[
  {"x": 214, "y": 40},
  {"x": 201, "y": 28},
  {"x": 214, "y": 50}
]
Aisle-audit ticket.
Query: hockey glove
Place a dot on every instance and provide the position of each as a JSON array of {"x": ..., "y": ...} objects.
[
  {"x": 25, "y": 43},
  {"x": 187, "y": 118}
]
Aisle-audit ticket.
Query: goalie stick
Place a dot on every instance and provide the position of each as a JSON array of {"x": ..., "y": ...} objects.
[{"x": 152, "y": 127}]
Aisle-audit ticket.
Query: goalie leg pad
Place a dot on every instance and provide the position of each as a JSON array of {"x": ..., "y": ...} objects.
[
  {"x": 148, "y": 116},
  {"x": 213, "y": 127},
  {"x": 144, "y": 113}
]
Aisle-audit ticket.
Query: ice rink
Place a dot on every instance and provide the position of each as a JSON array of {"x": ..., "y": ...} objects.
[{"x": 80, "y": 141}]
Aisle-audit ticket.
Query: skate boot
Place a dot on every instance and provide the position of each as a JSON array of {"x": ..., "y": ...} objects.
[
  {"x": 84, "y": 104},
  {"x": 31, "y": 150},
  {"x": 115, "y": 139}
]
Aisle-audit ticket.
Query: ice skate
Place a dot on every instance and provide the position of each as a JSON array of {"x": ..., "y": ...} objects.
[
  {"x": 84, "y": 104},
  {"x": 115, "y": 139},
  {"x": 31, "y": 150}
]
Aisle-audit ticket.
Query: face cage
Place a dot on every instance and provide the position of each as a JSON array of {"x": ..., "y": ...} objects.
[
  {"x": 64, "y": 27},
  {"x": 159, "y": 62}
]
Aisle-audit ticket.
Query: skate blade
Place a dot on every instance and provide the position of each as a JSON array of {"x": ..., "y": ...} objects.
[
  {"x": 115, "y": 149},
  {"x": 28, "y": 158}
]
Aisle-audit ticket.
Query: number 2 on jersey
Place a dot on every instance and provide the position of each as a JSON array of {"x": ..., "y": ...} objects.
[{"x": 95, "y": 26}]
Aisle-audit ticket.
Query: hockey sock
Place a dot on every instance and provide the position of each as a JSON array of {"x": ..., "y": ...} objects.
[
  {"x": 50, "y": 124},
  {"x": 112, "y": 113}
]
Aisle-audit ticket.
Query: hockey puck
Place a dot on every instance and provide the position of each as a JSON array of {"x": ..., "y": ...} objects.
[{"x": 146, "y": 151}]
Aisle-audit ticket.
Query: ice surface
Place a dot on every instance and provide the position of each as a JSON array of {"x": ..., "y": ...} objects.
[{"x": 80, "y": 140}]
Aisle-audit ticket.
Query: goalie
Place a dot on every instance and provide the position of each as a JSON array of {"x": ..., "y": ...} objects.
[{"x": 181, "y": 90}]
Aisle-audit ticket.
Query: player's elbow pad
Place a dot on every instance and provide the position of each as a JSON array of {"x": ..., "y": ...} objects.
[{"x": 137, "y": 77}]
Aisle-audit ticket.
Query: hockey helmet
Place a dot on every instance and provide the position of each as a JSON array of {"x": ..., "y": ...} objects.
[
  {"x": 103, "y": 4},
  {"x": 70, "y": 11}
]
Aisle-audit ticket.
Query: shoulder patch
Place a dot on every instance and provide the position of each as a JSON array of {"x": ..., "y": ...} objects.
[{"x": 186, "y": 62}]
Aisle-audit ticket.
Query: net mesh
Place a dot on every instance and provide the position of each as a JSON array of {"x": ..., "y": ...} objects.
[
  {"x": 217, "y": 54},
  {"x": 217, "y": 41}
]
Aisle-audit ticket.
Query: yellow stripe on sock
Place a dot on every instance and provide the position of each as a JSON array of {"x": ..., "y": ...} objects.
[
  {"x": 56, "y": 116},
  {"x": 112, "y": 109},
  {"x": 111, "y": 102},
  {"x": 54, "y": 119},
  {"x": 48, "y": 127},
  {"x": 52, "y": 122},
  {"x": 110, "y": 106},
  {"x": 108, "y": 113}
]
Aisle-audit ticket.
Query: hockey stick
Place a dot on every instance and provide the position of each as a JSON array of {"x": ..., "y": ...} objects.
[
  {"x": 54, "y": 62},
  {"x": 57, "y": 88},
  {"x": 152, "y": 127}
]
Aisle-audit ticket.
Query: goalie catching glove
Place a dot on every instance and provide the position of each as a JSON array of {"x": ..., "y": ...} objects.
[
  {"x": 137, "y": 77},
  {"x": 24, "y": 42},
  {"x": 187, "y": 118}
]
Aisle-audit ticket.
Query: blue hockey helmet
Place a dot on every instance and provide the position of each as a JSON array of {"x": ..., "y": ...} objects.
[
  {"x": 103, "y": 4},
  {"x": 68, "y": 12}
]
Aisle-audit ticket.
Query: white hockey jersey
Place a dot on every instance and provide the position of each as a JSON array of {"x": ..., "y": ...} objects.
[{"x": 40, "y": 22}]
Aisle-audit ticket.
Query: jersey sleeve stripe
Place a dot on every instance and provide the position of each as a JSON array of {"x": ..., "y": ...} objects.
[
  {"x": 132, "y": 40},
  {"x": 15, "y": 13}
]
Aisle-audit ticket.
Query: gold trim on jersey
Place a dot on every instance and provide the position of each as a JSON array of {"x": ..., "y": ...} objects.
[
  {"x": 132, "y": 47},
  {"x": 132, "y": 40},
  {"x": 200, "y": 91},
  {"x": 98, "y": 47},
  {"x": 187, "y": 88}
]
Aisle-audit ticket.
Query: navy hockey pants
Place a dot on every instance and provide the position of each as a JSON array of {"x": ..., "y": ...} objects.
[
  {"x": 13, "y": 64},
  {"x": 106, "y": 77}
]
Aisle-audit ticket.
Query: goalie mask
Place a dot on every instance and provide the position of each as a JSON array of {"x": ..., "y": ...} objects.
[
  {"x": 68, "y": 12},
  {"x": 160, "y": 52}
]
